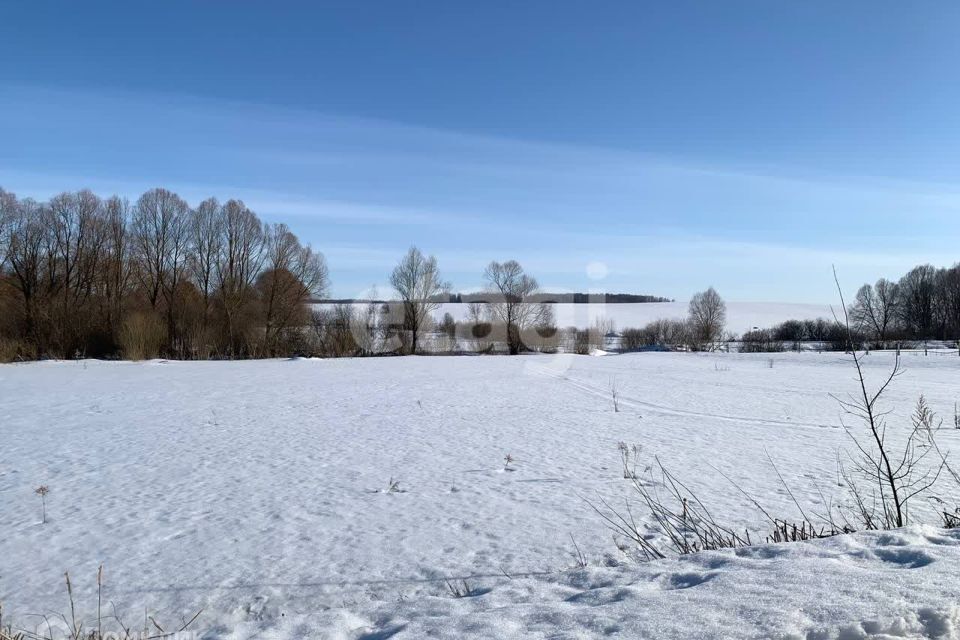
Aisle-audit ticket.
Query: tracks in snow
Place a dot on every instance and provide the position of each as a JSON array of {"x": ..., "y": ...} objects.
[{"x": 666, "y": 410}]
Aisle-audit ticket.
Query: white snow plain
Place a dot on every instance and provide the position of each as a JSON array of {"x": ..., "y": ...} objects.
[
  {"x": 741, "y": 316},
  {"x": 257, "y": 492}
]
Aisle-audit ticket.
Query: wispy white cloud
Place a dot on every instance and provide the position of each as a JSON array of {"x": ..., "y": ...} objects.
[
  {"x": 364, "y": 190},
  {"x": 280, "y": 206}
]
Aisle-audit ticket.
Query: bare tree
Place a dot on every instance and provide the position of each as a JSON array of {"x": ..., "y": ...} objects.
[
  {"x": 887, "y": 295},
  {"x": 896, "y": 476},
  {"x": 417, "y": 281},
  {"x": 292, "y": 275},
  {"x": 511, "y": 288},
  {"x": 206, "y": 239},
  {"x": 8, "y": 209},
  {"x": 949, "y": 295},
  {"x": 917, "y": 300},
  {"x": 707, "y": 317},
  {"x": 26, "y": 247},
  {"x": 160, "y": 241},
  {"x": 77, "y": 234},
  {"x": 875, "y": 307},
  {"x": 116, "y": 273},
  {"x": 158, "y": 225},
  {"x": 237, "y": 268}
]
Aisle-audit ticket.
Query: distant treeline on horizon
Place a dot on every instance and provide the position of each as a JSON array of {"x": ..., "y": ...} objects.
[{"x": 545, "y": 297}]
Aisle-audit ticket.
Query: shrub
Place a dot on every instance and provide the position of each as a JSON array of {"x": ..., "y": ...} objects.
[
  {"x": 632, "y": 339},
  {"x": 582, "y": 342},
  {"x": 680, "y": 519},
  {"x": 479, "y": 334},
  {"x": 142, "y": 336},
  {"x": 100, "y": 626},
  {"x": 12, "y": 350},
  {"x": 760, "y": 341},
  {"x": 666, "y": 332},
  {"x": 544, "y": 338},
  {"x": 333, "y": 332}
]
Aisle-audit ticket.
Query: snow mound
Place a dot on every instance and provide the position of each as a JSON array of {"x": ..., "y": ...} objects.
[{"x": 899, "y": 584}]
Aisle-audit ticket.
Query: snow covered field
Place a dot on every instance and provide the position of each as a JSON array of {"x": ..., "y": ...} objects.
[{"x": 257, "y": 491}]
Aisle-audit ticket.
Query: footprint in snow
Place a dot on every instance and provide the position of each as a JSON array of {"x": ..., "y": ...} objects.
[
  {"x": 935, "y": 539},
  {"x": 888, "y": 540},
  {"x": 686, "y": 580},
  {"x": 257, "y": 608},
  {"x": 903, "y": 557},
  {"x": 760, "y": 553},
  {"x": 381, "y": 634},
  {"x": 603, "y": 596}
]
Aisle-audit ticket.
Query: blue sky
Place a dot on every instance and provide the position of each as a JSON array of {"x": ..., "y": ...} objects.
[{"x": 747, "y": 145}]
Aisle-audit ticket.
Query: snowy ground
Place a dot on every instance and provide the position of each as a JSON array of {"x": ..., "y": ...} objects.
[{"x": 257, "y": 492}]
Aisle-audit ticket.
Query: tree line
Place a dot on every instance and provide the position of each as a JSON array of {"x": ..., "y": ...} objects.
[
  {"x": 84, "y": 276},
  {"x": 924, "y": 303}
]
